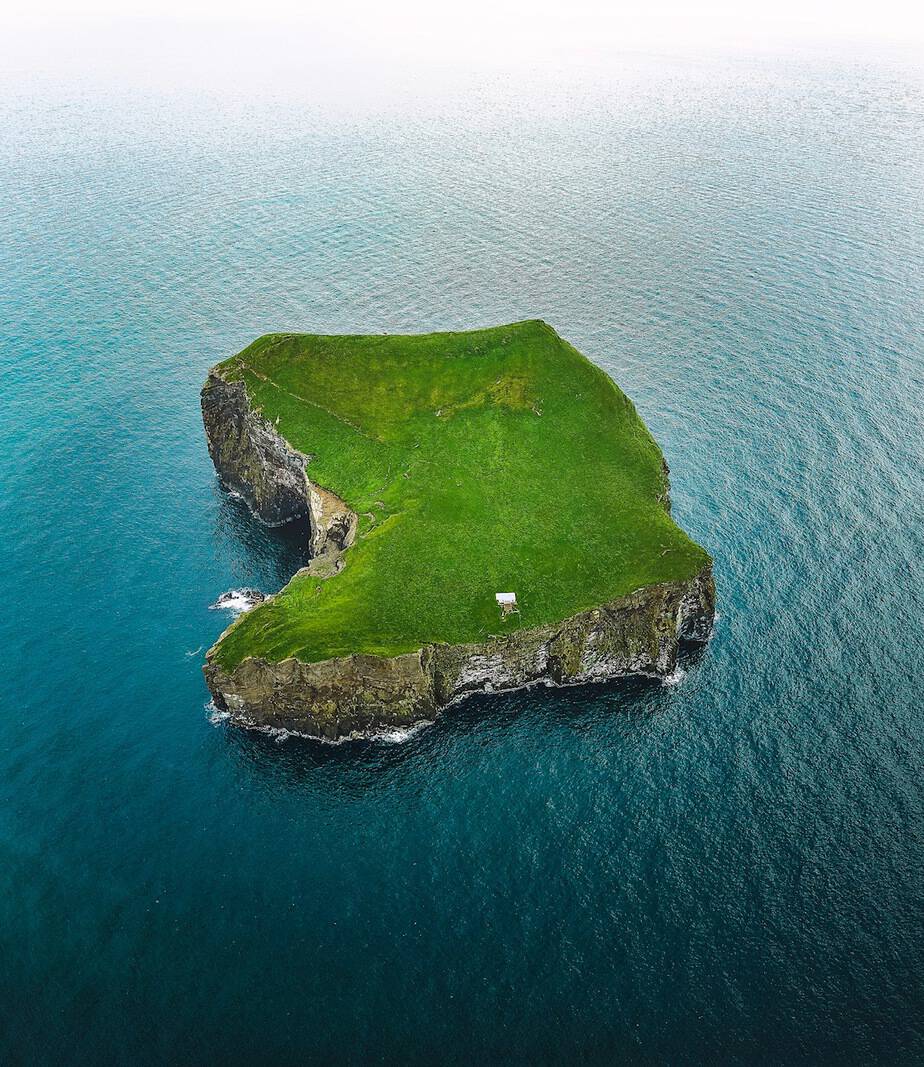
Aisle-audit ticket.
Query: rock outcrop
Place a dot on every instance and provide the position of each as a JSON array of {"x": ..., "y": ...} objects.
[{"x": 358, "y": 694}]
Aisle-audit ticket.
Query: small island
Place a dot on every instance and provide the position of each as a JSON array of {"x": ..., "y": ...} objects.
[{"x": 440, "y": 475}]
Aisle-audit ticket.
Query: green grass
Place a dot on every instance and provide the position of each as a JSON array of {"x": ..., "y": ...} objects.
[{"x": 479, "y": 462}]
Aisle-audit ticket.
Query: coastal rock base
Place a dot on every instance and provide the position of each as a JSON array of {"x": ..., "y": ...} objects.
[{"x": 360, "y": 694}]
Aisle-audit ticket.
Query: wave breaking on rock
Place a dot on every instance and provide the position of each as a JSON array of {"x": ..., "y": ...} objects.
[{"x": 238, "y": 600}]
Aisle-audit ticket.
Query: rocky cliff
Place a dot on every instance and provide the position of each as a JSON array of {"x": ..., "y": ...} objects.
[
  {"x": 255, "y": 462},
  {"x": 352, "y": 695},
  {"x": 358, "y": 694}
]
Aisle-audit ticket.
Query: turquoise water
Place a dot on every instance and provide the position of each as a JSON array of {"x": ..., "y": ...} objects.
[{"x": 730, "y": 868}]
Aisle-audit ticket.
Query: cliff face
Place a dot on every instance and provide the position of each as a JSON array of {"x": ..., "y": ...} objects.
[
  {"x": 253, "y": 460},
  {"x": 357, "y": 694},
  {"x": 352, "y": 695}
]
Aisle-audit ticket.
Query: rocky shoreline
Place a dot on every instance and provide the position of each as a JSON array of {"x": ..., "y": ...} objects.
[{"x": 360, "y": 694}]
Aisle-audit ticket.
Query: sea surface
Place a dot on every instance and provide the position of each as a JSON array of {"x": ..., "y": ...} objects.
[{"x": 729, "y": 868}]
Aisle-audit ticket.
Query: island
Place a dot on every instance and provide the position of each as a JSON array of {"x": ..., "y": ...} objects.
[{"x": 485, "y": 510}]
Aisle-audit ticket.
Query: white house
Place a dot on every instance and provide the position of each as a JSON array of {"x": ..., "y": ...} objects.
[{"x": 507, "y": 601}]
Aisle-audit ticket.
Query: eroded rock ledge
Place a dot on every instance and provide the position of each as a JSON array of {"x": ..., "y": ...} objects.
[{"x": 356, "y": 695}]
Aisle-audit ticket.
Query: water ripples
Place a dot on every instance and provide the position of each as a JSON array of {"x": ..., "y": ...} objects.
[{"x": 728, "y": 868}]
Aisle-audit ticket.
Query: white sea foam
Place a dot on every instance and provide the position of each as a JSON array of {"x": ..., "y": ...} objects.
[
  {"x": 676, "y": 676},
  {"x": 237, "y": 600},
  {"x": 396, "y": 734},
  {"x": 389, "y": 735},
  {"x": 216, "y": 716}
]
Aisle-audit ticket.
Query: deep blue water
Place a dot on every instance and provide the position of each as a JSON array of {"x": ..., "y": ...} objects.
[{"x": 728, "y": 869}]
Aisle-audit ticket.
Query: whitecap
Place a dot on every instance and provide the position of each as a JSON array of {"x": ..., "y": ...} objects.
[
  {"x": 216, "y": 716},
  {"x": 238, "y": 600},
  {"x": 394, "y": 735}
]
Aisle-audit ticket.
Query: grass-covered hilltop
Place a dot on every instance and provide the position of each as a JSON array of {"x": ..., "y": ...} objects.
[{"x": 465, "y": 464}]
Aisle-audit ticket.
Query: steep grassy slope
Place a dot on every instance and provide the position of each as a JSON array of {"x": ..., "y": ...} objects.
[{"x": 491, "y": 460}]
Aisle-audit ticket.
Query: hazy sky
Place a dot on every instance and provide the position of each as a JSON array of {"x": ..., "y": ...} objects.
[
  {"x": 534, "y": 25},
  {"x": 350, "y": 48}
]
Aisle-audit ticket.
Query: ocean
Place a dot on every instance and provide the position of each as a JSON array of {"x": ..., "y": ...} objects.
[{"x": 729, "y": 868}]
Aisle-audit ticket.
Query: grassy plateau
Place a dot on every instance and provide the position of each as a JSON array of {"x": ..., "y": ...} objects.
[{"x": 479, "y": 462}]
